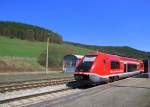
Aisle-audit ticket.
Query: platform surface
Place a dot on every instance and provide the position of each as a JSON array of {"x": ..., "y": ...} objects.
[{"x": 131, "y": 92}]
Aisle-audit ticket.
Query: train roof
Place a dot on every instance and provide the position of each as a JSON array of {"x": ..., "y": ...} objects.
[
  {"x": 96, "y": 53},
  {"x": 79, "y": 56},
  {"x": 74, "y": 56}
]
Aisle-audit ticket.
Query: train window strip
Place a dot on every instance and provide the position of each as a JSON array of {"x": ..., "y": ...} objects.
[
  {"x": 132, "y": 67},
  {"x": 115, "y": 64}
]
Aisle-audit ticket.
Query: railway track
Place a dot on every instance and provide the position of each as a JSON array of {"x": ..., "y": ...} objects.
[
  {"x": 34, "y": 84},
  {"x": 50, "y": 96},
  {"x": 34, "y": 95},
  {"x": 56, "y": 88},
  {"x": 55, "y": 85}
]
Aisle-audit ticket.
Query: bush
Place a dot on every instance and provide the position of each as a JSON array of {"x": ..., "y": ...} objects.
[{"x": 56, "y": 54}]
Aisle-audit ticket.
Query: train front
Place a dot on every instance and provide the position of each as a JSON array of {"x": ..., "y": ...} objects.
[{"x": 84, "y": 69}]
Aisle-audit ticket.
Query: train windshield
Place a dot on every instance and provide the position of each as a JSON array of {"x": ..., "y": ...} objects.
[{"x": 86, "y": 63}]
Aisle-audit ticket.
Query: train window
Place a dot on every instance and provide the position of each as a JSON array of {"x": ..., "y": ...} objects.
[
  {"x": 89, "y": 58},
  {"x": 73, "y": 63},
  {"x": 104, "y": 61},
  {"x": 141, "y": 65},
  {"x": 86, "y": 65},
  {"x": 132, "y": 67},
  {"x": 115, "y": 65}
]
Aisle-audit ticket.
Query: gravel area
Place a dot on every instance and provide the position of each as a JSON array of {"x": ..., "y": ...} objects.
[{"x": 26, "y": 76}]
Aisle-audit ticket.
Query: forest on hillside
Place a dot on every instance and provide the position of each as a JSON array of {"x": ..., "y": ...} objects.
[
  {"x": 28, "y": 32},
  {"x": 125, "y": 51}
]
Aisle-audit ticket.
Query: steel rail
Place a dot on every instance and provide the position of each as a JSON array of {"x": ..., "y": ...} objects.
[{"x": 35, "y": 84}]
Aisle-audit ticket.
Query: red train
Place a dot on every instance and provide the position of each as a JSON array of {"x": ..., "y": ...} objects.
[{"x": 96, "y": 67}]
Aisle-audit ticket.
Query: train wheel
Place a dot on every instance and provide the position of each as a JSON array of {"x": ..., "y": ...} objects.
[
  {"x": 111, "y": 79},
  {"x": 116, "y": 78}
]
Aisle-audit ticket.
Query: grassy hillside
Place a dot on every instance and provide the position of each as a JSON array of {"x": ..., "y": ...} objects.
[
  {"x": 24, "y": 48},
  {"x": 22, "y": 55}
]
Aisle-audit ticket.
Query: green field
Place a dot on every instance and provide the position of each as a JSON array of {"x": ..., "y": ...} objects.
[{"x": 24, "y": 48}]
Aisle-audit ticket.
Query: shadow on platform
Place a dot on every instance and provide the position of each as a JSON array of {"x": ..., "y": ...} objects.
[
  {"x": 143, "y": 75},
  {"x": 79, "y": 85}
]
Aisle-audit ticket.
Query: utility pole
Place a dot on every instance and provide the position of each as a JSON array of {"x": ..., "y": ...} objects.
[
  {"x": 148, "y": 66},
  {"x": 47, "y": 55}
]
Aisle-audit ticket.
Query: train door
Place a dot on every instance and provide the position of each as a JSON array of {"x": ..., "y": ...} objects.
[
  {"x": 125, "y": 67},
  {"x": 69, "y": 66}
]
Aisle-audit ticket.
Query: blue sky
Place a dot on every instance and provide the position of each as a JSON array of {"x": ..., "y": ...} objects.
[{"x": 95, "y": 22}]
